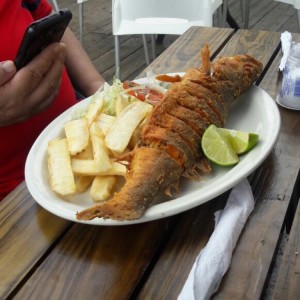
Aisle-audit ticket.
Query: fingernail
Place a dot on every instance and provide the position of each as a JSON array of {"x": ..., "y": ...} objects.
[{"x": 8, "y": 66}]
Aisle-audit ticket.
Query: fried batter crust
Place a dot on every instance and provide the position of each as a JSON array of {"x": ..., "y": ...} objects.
[{"x": 169, "y": 144}]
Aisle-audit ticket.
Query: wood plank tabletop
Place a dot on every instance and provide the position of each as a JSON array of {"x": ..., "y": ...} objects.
[
  {"x": 45, "y": 257},
  {"x": 287, "y": 283}
]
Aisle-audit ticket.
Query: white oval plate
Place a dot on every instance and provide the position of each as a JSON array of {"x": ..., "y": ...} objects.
[{"x": 255, "y": 111}]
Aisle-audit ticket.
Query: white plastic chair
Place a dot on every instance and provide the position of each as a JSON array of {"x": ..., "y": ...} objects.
[
  {"x": 160, "y": 17},
  {"x": 80, "y": 15}
]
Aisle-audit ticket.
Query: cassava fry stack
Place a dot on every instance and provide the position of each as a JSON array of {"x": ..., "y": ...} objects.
[
  {"x": 88, "y": 154},
  {"x": 169, "y": 144}
]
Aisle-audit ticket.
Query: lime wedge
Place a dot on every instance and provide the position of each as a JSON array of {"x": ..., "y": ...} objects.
[
  {"x": 217, "y": 148},
  {"x": 240, "y": 141}
]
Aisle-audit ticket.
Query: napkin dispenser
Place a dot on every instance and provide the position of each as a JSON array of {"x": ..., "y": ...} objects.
[{"x": 289, "y": 95}]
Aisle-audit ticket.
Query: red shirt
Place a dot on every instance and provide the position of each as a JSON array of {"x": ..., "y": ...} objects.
[{"x": 16, "y": 140}]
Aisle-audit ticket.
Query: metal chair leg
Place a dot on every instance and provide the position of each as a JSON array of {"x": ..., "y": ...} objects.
[
  {"x": 224, "y": 12},
  {"x": 153, "y": 46},
  {"x": 231, "y": 21},
  {"x": 247, "y": 13},
  {"x": 146, "y": 49},
  {"x": 80, "y": 13},
  {"x": 242, "y": 10},
  {"x": 117, "y": 56},
  {"x": 220, "y": 16}
]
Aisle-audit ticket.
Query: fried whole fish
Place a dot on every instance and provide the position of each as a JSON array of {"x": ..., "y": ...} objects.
[{"x": 169, "y": 144}]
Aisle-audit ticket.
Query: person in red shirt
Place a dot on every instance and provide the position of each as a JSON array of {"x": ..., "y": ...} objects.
[{"x": 36, "y": 94}]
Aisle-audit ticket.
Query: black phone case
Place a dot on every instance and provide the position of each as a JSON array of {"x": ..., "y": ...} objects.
[{"x": 40, "y": 34}]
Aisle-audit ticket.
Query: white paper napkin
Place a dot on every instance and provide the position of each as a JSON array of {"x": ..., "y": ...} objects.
[
  {"x": 214, "y": 259},
  {"x": 286, "y": 44}
]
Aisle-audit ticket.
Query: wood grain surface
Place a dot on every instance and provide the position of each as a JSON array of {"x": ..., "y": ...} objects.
[
  {"x": 288, "y": 281},
  {"x": 178, "y": 57},
  {"x": 27, "y": 232}
]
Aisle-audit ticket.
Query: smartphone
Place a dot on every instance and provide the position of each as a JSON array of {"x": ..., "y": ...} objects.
[{"x": 40, "y": 34}]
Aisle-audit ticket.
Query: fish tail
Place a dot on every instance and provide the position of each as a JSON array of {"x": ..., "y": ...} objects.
[{"x": 150, "y": 171}]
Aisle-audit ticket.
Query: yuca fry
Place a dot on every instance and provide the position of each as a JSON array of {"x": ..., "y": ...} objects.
[
  {"x": 87, "y": 153},
  {"x": 89, "y": 167},
  {"x": 94, "y": 109},
  {"x": 89, "y": 157},
  {"x": 101, "y": 187},
  {"x": 120, "y": 104},
  {"x": 83, "y": 182},
  {"x": 77, "y": 134},
  {"x": 119, "y": 134},
  {"x": 59, "y": 166},
  {"x": 104, "y": 122},
  {"x": 100, "y": 152},
  {"x": 117, "y": 169},
  {"x": 136, "y": 134}
]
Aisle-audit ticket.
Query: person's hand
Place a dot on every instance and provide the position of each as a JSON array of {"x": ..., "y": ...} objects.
[
  {"x": 7, "y": 71},
  {"x": 32, "y": 89}
]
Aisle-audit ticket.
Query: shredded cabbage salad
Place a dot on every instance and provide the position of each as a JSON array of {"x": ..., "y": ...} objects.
[{"x": 110, "y": 93}]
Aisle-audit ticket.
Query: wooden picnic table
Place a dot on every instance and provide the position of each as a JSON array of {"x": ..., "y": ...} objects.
[{"x": 43, "y": 256}]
